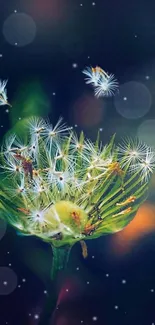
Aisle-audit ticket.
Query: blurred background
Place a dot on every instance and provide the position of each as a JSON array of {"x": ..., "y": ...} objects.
[{"x": 44, "y": 46}]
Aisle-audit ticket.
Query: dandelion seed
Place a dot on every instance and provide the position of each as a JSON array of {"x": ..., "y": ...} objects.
[
  {"x": 93, "y": 75},
  {"x": 36, "y": 125},
  {"x": 131, "y": 151},
  {"x": 7, "y": 146},
  {"x": 3, "y": 93},
  {"x": 146, "y": 166},
  {"x": 3, "y": 85},
  {"x": 105, "y": 85},
  {"x": 54, "y": 134}
]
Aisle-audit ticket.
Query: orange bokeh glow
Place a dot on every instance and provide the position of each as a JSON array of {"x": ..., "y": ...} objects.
[{"x": 141, "y": 225}]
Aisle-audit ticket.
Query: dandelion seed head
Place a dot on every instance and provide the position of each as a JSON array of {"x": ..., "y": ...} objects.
[{"x": 64, "y": 188}]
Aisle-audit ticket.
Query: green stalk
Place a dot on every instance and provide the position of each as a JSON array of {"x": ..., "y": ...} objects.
[{"x": 60, "y": 259}]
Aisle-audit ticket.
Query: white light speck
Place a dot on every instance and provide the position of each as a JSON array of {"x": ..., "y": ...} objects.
[
  {"x": 93, "y": 256},
  {"x": 19, "y": 286},
  {"x": 36, "y": 316},
  {"x": 94, "y": 318},
  {"x": 24, "y": 280},
  {"x": 67, "y": 290},
  {"x": 1, "y": 126},
  {"x": 29, "y": 314},
  {"x": 1, "y": 55},
  {"x": 101, "y": 129},
  {"x": 5, "y": 283},
  {"x": 123, "y": 281},
  {"x": 88, "y": 282},
  {"x": 8, "y": 252},
  {"x": 116, "y": 307},
  {"x": 16, "y": 44},
  {"x": 81, "y": 321},
  {"x": 54, "y": 94},
  {"x": 19, "y": 118},
  {"x": 147, "y": 77},
  {"x": 88, "y": 57},
  {"x": 107, "y": 275},
  {"x": 135, "y": 36},
  {"x": 81, "y": 4},
  {"x": 93, "y": 3},
  {"x": 75, "y": 125},
  {"x": 15, "y": 11},
  {"x": 45, "y": 292},
  {"x": 10, "y": 264},
  {"x": 152, "y": 290},
  {"x": 7, "y": 110},
  {"x": 77, "y": 268},
  {"x": 125, "y": 98},
  {"x": 74, "y": 65}
]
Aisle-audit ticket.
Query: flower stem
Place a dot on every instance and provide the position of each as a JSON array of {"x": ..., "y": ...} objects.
[{"x": 60, "y": 259}]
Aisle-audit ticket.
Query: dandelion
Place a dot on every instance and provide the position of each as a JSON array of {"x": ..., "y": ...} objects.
[
  {"x": 73, "y": 189},
  {"x": 3, "y": 93},
  {"x": 105, "y": 85},
  {"x": 64, "y": 189}
]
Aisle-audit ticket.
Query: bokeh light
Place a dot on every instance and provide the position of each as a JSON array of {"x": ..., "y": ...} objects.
[
  {"x": 142, "y": 225},
  {"x": 146, "y": 132},
  {"x": 72, "y": 288},
  {"x": 8, "y": 281},
  {"x": 3, "y": 227},
  {"x": 133, "y": 100},
  {"x": 88, "y": 111},
  {"x": 19, "y": 29},
  {"x": 49, "y": 10}
]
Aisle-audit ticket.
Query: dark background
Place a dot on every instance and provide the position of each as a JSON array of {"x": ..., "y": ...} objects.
[{"x": 119, "y": 36}]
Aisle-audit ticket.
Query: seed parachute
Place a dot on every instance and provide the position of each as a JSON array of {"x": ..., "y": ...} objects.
[
  {"x": 3, "y": 93},
  {"x": 104, "y": 84}
]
